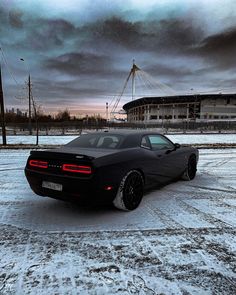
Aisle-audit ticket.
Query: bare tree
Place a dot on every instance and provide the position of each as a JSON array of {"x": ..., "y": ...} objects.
[{"x": 63, "y": 116}]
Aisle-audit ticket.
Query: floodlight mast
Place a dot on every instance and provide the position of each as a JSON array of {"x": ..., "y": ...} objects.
[{"x": 131, "y": 75}]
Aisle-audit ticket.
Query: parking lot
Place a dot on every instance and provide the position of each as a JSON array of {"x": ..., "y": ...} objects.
[{"x": 181, "y": 240}]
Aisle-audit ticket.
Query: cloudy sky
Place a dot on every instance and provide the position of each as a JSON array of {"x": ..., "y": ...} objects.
[{"x": 79, "y": 52}]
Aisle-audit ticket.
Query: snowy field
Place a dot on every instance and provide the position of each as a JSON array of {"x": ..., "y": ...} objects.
[
  {"x": 181, "y": 240},
  {"x": 180, "y": 138}
]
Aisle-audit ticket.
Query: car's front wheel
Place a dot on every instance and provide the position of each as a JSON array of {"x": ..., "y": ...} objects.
[
  {"x": 191, "y": 169},
  {"x": 130, "y": 191}
]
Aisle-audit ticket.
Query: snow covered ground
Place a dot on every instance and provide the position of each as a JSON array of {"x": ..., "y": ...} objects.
[
  {"x": 181, "y": 240},
  {"x": 180, "y": 138}
]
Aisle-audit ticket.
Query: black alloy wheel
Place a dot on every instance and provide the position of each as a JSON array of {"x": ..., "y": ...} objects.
[
  {"x": 130, "y": 191},
  {"x": 192, "y": 167},
  {"x": 133, "y": 190}
]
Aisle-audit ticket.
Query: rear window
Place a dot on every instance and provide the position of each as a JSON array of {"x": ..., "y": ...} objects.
[{"x": 100, "y": 141}]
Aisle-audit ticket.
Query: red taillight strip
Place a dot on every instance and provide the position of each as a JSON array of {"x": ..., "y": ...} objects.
[
  {"x": 77, "y": 168},
  {"x": 38, "y": 163}
]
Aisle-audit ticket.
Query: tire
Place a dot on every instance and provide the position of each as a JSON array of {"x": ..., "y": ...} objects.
[
  {"x": 130, "y": 191},
  {"x": 191, "y": 169}
]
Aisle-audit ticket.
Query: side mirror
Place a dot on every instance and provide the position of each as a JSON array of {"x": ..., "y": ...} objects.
[{"x": 177, "y": 145}]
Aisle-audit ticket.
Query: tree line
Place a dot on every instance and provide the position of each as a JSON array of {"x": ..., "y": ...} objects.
[{"x": 60, "y": 116}]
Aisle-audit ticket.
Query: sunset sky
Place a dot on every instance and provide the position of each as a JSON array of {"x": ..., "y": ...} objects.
[{"x": 79, "y": 52}]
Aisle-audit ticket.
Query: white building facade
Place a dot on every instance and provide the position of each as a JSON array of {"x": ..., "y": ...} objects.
[{"x": 207, "y": 107}]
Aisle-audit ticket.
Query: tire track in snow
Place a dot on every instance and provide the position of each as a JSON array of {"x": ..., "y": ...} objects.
[
  {"x": 232, "y": 191},
  {"x": 23, "y": 264},
  {"x": 202, "y": 215},
  {"x": 13, "y": 169},
  {"x": 167, "y": 220},
  {"x": 213, "y": 164}
]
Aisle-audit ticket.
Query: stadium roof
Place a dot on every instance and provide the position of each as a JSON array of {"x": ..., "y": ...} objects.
[{"x": 174, "y": 99}]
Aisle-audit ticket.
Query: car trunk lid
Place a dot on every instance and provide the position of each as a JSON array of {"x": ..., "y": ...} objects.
[{"x": 66, "y": 161}]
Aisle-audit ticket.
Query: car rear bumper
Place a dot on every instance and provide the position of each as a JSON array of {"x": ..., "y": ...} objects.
[{"x": 73, "y": 189}]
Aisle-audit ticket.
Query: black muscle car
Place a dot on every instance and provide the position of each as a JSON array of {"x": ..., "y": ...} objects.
[{"x": 110, "y": 166}]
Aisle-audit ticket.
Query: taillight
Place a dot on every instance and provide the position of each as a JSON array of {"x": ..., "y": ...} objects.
[
  {"x": 108, "y": 188},
  {"x": 77, "y": 168},
  {"x": 38, "y": 164}
]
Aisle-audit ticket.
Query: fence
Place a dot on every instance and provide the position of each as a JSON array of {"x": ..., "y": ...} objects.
[{"x": 47, "y": 128}]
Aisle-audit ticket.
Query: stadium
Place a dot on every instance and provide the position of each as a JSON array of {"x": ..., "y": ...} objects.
[{"x": 187, "y": 108}]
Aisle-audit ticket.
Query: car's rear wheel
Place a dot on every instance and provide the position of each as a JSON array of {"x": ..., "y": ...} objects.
[
  {"x": 130, "y": 191},
  {"x": 191, "y": 169}
]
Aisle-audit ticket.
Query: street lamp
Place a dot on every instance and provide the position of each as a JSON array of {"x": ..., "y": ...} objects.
[{"x": 29, "y": 95}]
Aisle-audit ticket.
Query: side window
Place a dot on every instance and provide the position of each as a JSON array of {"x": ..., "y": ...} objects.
[
  {"x": 159, "y": 142},
  {"x": 145, "y": 143},
  {"x": 92, "y": 141},
  {"x": 107, "y": 142}
]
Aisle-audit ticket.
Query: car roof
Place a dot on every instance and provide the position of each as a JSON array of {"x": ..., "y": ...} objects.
[
  {"x": 126, "y": 132},
  {"x": 131, "y": 137}
]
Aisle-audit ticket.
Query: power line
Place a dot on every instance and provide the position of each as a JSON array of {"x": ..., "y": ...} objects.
[
  {"x": 8, "y": 67},
  {"x": 11, "y": 74}
]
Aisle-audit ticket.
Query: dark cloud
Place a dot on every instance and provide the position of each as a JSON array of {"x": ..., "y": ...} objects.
[
  {"x": 112, "y": 34},
  {"x": 222, "y": 43},
  {"x": 3, "y": 18},
  {"x": 44, "y": 34},
  {"x": 15, "y": 19},
  {"x": 218, "y": 49},
  {"x": 172, "y": 35},
  {"x": 117, "y": 31},
  {"x": 79, "y": 63},
  {"x": 58, "y": 90},
  {"x": 167, "y": 70}
]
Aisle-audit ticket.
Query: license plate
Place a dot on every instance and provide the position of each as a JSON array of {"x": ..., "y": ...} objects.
[{"x": 52, "y": 185}]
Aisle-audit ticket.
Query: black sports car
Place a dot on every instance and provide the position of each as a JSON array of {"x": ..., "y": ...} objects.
[{"x": 110, "y": 166}]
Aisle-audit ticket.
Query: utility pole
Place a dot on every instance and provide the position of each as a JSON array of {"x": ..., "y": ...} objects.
[
  {"x": 4, "y": 138},
  {"x": 29, "y": 89},
  {"x": 29, "y": 95},
  {"x": 107, "y": 111}
]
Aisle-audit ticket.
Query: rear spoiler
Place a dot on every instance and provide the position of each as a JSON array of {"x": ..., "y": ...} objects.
[{"x": 59, "y": 155}]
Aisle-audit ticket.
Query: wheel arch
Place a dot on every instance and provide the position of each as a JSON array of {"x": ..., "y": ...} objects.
[
  {"x": 193, "y": 155},
  {"x": 119, "y": 202},
  {"x": 185, "y": 175},
  {"x": 142, "y": 173}
]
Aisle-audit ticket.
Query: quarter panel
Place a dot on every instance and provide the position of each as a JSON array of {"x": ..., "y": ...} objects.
[{"x": 113, "y": 168}]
